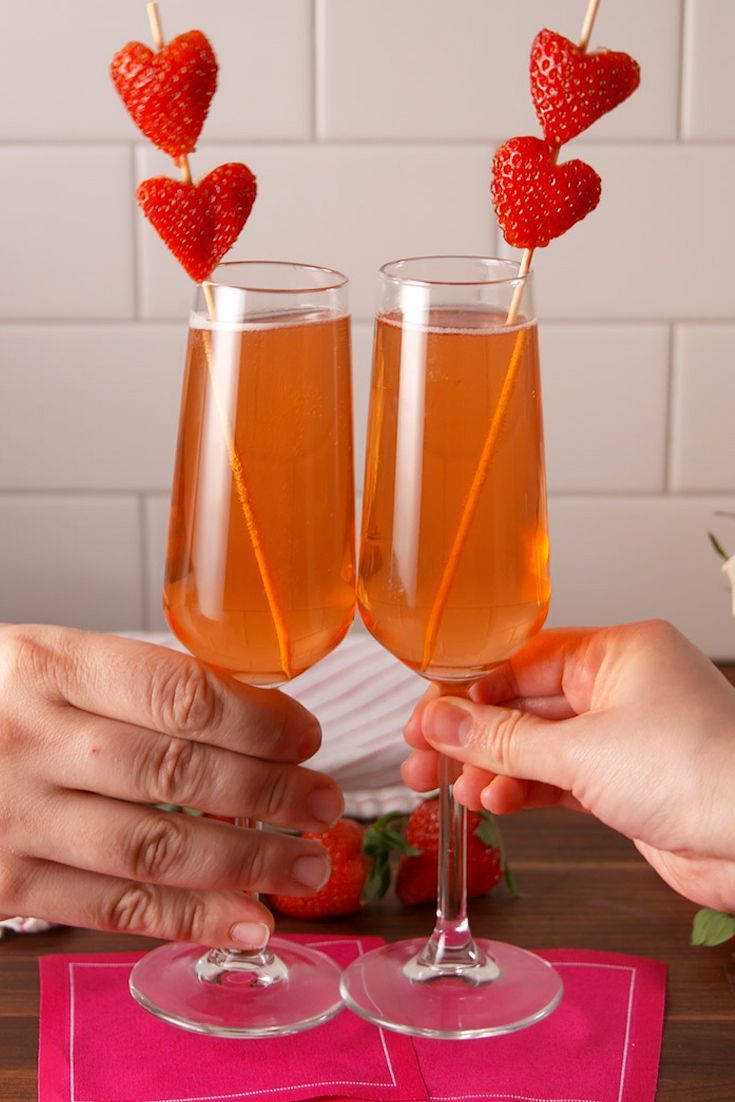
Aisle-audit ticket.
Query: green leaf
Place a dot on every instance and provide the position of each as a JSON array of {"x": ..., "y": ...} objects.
[
  {"x": 712, "y": 927},
  {"x": 382, "y": 838},
  {"x": 378, "y": 880},
  {"x": 718, "y": 546},
  {"x": 509, "y": 881},
  {"x": 487, "y": 831}
]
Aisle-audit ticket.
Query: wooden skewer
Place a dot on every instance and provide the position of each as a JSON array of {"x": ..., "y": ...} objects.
[
  {"x": 483, "y": 466},
  {"x": 236, "y": 467}
]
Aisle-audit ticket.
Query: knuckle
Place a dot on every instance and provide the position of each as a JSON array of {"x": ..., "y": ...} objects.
[
  {"x": 192, "y": 923},
  {"x": 502, "y": 739},
  {"x": 157, "y": 847},
  {"x": 276, "y": 794},
  {"x": 183, "y": 697},
  {"x": 14, "y": 877},
  {"x": 24, "y": 657},
  {"x": 134, "y": 909},
  {"x": 174, "y": 770},
  {"x": 255, "y": 864}
]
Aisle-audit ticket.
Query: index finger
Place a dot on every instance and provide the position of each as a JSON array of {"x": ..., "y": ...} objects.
[
  {"x": 161, "y": 689},
  {"x": 552, "y": 676}
]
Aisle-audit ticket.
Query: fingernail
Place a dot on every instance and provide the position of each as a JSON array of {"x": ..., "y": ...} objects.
[
  {"x": 326, "y": 805},
  {"x": 312, "y": 872},
  {"x": 253, "y": 934},
  {"x": 448, "y": 724}
]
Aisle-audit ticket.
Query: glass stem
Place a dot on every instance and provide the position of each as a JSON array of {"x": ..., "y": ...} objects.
[
  {"x": 260, "y": 962},
  {"x": 451, "y": 947}
]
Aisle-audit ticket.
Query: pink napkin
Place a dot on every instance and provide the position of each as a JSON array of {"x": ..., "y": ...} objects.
[{"x": 601, "y": 1045}]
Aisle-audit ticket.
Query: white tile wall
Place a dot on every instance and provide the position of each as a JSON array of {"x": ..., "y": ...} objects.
[
  {"x": 659, "y": 243},
  {"x": 707, "y": 79},
  {"x": 605, "y": 392},
  {"x": 703, "y": 455},
  {"x": 418, "y": 69},
  {"x": 350, "y": 207},
  {"x": 72, "y": 559},
  {"x": 85, "y": 407},
  {"x": 66, "y": 227},
  {"x": 54, "y": 67},
  {"x": 620, "y": 559},
  {"x": 371, "y": 129}
]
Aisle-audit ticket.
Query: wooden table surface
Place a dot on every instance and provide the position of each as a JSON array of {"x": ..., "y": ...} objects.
[{"x": 582, "y": 887}]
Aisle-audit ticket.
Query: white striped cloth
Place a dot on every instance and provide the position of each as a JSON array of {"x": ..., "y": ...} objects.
[{"x": 362, "y": 696}]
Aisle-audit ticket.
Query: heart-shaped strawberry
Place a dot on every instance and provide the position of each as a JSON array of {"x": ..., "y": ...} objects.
[
  {"x": 168, "y": 93},
  {"x": 571, "y": 89},
  {"x": 536, "y": 200},
  {"x": 199, "y": 222}
]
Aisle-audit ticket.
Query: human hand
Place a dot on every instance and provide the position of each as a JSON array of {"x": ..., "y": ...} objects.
[
  {"x": 631, "y": 723},
  {"x": 93, "y": 730}
]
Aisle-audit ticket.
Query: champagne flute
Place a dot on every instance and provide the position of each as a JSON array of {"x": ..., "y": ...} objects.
[
  {"x": 453, "y": 580},
  {"x": 259, "y": 572}
]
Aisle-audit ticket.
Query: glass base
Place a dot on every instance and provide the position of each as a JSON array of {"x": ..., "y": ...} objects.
[
  {"x": 286, "y": 989},
  {"x": 508, "y": 990}
]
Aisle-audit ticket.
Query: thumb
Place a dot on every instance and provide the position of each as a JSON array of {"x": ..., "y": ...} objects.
[{"x": 499, "y": 740}]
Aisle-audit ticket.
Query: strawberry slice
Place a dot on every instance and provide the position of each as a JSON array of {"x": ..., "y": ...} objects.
[
  {"x": 571, "y": 89},
  {"x": 536, "y": 200},
  {"x": 199, "y": 222},
  {"x": 168, "y": 93}
]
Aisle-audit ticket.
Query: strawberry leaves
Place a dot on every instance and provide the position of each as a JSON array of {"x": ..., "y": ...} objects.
[{"x": 712, "y": 927}]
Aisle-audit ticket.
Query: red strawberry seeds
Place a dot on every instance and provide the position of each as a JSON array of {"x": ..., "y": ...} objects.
[
  {"x": 417, "y": 873},
  {"x": 168, "y": 93},
  {"x": 342, "y": 894},
  {"x": 571, "y": 89},
  {"x": 536, "y": 200},
  {"x": 200, "y": 222}
]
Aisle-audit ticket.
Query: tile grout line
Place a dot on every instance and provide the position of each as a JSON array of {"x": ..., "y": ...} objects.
[
  {"x": 314, "y": 90},
  {"x": 684, "y": 30},
  {"x": 143, "y": 560},
  {"x": 669, "y": 412},
  {"x": 477, "y": 141},
  {"x": 317, "y": 59},
  {"x": 134, "y": 235}
]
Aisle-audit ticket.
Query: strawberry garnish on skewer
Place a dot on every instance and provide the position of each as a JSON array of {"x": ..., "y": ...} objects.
[
  {"x": 535, "y": 199},
  {"x": 571, "y": 89},
  {"x": 199, "y": 222},
  {"x": 168, "y": 92}
]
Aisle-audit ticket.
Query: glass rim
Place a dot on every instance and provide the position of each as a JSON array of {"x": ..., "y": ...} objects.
[
  {"x": 411, "y": 281},
  {"x": 338, "y": 281}
]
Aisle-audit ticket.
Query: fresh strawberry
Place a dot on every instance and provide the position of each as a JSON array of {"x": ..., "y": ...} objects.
[
  {"x": 417, "y": 873},
  {"x": 571, "y": 89},
  {"x": 200, "y": 222},
  {"x": 168, "y": 93},
  {"x": 535, "y": 199},
  {"x": 342, "y": 894}
]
